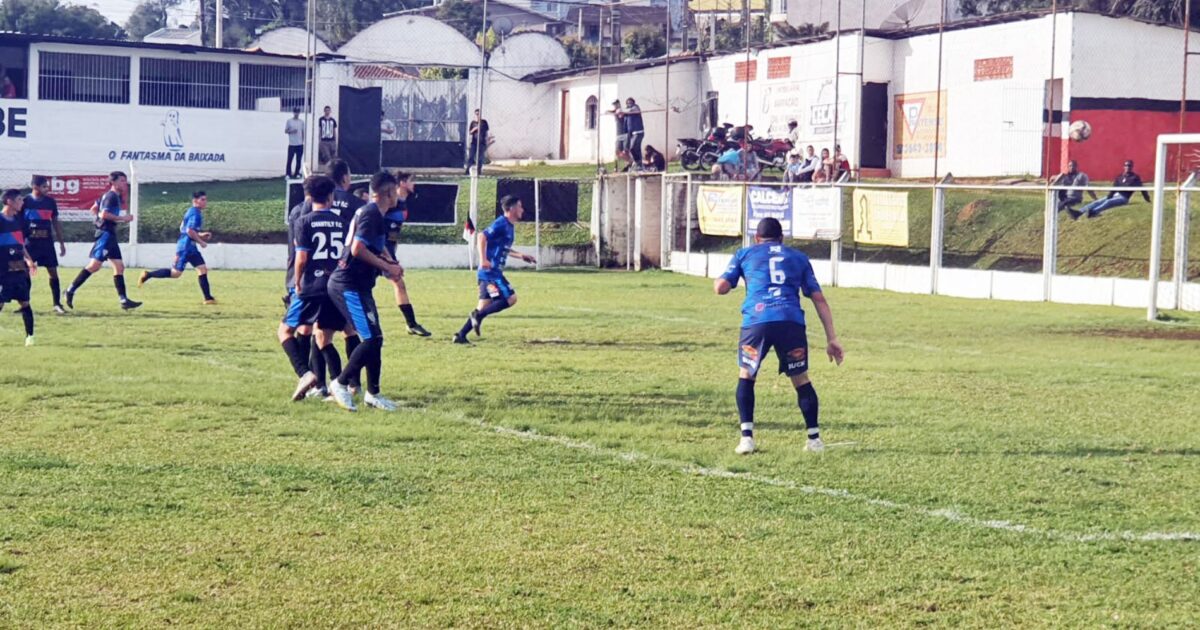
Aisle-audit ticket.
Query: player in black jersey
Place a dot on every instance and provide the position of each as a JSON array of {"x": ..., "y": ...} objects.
[
  {"x": 350, "y": 288},
  {"x": 106, "y": 247},
  {"x": 393, "y": 221},
  {"x": 42, "y": 228},
  {"x": 15, "y": 263}
]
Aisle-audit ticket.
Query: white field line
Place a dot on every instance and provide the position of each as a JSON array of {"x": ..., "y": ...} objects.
[
  {"x": 650, "y": 316},
  {"x": 944, "y": 514}
]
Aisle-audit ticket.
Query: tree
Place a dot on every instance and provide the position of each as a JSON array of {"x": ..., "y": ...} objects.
[
  {"x": 147, "y": 17},
  {"x": 51, "y": 17},
  {"x": 786, "y": 32},
  {"x": 645, "y": 42},
  {"x": 580, "y": 53},
  {"x": 465, "y": 17},
  {"x": 732, "y": 35},
  {"x": 1163, "y": 11}
]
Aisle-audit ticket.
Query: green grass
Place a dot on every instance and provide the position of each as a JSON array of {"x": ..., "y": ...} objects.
[{"x": 152, "y": 471}]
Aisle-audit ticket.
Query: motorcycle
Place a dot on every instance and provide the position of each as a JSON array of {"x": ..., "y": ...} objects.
[
  {"x": 716, "y": 142},
  {"x": 688, "y": 152},
  {"x": 771, "y": 153}
]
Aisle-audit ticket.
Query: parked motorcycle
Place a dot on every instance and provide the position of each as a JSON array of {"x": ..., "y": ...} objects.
[
  {"x": 771, "y": 153},
  {"x": 688, "y": 152}
]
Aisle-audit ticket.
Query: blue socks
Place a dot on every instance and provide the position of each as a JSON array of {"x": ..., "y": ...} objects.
[
  {"x": 806, "y": 397},
  {"x": 745, "y": 404}
]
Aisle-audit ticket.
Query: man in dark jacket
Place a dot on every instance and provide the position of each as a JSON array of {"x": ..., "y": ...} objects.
[{"x": 1127, "y": 179}]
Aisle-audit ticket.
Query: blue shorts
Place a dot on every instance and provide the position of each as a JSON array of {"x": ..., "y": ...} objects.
[
  {"x": 496, "y": 288},
  {"x": 188, "y": 257},
  {"x": 106, "y": 247},
  {"x": 308, "y": 311},
  {"x": 789, "y": 340},
  {"x": 358, "y": 308},
  {"x": 14, "y": 287}
]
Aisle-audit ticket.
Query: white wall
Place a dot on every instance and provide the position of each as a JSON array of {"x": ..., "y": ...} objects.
[
  {"x": 521, "y": 116},
  {"x": 1002, "y": 115},
  {"x": 649, "y": 88},
  {"x": 1128, "y": 59},
  {"x": 71, "y": 138},
  {"x": 807, "y": 94}
]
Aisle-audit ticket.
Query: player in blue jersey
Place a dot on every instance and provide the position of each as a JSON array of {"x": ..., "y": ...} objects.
[
  {"x": 41, "y": 229},
  {"x": 350, "y": 289},
  {"x": 775, "y": 276},
  {"x": 394, "y": 221},
  {"x": 495, "y": 244},
  {"x": 106, "y": 247},
  {"x": 15, "y": 263},
  {"x": 187, "y": 249}
]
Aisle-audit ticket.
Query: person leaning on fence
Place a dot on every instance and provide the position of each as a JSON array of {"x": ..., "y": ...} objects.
[
  {"x": 1068, "y": 198},
  {"x": 636, "y": 130},
  {"x": 622, "y": 136},
  {"x": 1127, "y": 179}
]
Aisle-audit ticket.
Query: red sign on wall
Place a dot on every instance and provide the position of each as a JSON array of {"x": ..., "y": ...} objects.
[
  {"x": 779, "y": 67},
  {"x": 744, "y": 71},
  {"x": 75, "y": 194},
  {"x": 993, "y": 68}
]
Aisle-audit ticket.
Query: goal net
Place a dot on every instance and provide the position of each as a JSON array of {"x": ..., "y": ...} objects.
[{"x": 1174, "y": 265}]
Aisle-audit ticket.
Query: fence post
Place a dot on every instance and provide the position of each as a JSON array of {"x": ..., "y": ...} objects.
[
  {"x": 628, "y": 223},
  {"x": 134, "y": 211},
  {"x": 666, "y": 232},
  {"x": 1182, "y": 224},
  {"x": 687, "y": 213},
  {"x": 1160, "y": 170},
  {"x": 598, "y": 201},
  {"x": 639, "y": 209},
  {"x": 537, "y": 224},
  {"x": 1049, "y": 244},
  {"x": 835, "y": 246},
  {"x": 937, "y": 230}
]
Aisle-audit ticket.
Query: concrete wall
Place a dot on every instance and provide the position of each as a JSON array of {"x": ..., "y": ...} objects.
[{"x": 69, "y": 138}]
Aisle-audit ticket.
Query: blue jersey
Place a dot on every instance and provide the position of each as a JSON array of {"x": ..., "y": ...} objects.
[
  {"x": 366, "y": 228},
  {"x": 40, "y": 214},
  {"x": 393, "y": 222},
  {"x": 12, "y": 245},
  {"x": 110, "y": 203},
  {"x": 500, "y": 236},
  {"x": 193, "y": 219},
  {"x": 775, "y": 277},
  {"x": 322, "y": 234}
]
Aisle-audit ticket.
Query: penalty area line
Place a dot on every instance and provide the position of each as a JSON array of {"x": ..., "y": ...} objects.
[{"x": 943, "y": 514}]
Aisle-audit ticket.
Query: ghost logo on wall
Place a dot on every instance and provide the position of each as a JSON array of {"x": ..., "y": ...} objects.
[{"x": 172, "y": 134}]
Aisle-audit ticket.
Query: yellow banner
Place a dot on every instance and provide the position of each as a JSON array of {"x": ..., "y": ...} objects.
[
  {"x": 720, "y": 209},
  {"x": 881, "y": 217},
  {"x": 919, "y": 125}
]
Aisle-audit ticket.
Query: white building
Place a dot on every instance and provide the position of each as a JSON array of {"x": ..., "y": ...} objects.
[{"x": 177, "y": 112}]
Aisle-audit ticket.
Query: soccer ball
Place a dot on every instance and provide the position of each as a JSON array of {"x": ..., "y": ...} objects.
[{"x": 1080, "y": 130}]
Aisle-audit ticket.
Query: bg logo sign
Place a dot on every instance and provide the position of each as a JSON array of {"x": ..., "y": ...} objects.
[{"x": 13, "y": 121}]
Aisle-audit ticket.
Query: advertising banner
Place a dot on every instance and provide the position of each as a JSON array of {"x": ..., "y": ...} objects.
[
  {"x": 770, "y": 202},
  {"x": 881, "y": 217},
  {"x": 720, "y": 210},
  {"x": 920, "y": 129},
  {"x": 817, "y": 213},
  {"x": 75, "y": 195}
]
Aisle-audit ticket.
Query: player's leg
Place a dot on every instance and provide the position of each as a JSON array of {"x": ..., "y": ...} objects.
[
  {"x": 174, "y": 271},
  {"x": 202, "y": 278},
  {"x": 366, "y": 317},
  {"x": 792, "y": 347},
  {"x": 406, "y": 308},
  {"x": 293, "y": 319},
  {"x": 118, "y": 267},
  {"x": 354, "y": 380},
  {"x": 27, "y": 319},
  {"x": 353, "y": 308},
  {"x": 95, "y": 260},
  {"x": 752, "y": 345}
]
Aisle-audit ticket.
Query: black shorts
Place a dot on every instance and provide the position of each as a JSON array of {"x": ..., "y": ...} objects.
[
  {"x": 358, "y": 308},
  {"x": 14, "y": 287},
  {"x": 789, "y": 340},
  {"x": 42, "y": 252},
  {"x": 314, "y": 310}
]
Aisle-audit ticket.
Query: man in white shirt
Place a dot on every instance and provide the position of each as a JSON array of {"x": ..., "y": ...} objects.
[
  {"x": 810, "y": 165},
  {"x": 387, "y": 128},
  {"x": 294, "y": 128}
]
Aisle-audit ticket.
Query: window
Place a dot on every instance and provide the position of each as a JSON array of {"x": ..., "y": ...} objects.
[
  {"x": 589, "y": 116},
  {"x": 83, "y": 78},
  {"x": 270, "y": 88},
  {"x": 176, "y": 83}
]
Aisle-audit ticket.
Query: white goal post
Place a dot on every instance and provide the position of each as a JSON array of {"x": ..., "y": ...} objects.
[{"x": 1160, "y": 179}]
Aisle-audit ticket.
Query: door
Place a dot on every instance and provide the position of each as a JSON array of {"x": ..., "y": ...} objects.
[
  {"x": 1021, "y": 129},
  {"x": 873, "y": 146},
  {"x": 564, "y": 132}
]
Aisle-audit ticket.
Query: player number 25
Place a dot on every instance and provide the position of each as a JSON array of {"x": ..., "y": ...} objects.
[
  {"x": 321, "y": 252},
  {"x": 777, "y": 275}
]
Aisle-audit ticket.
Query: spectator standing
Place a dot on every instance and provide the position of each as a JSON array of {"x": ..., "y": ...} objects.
[
  {"x": 1127, "y": 179},
  {"x": 328, "y": 128},
  {"x": 8, "y": 89},
  {"x": 477, "y": 134},
  {"x": 387, "y": 128},
  {"x": 294, "y": 128},
  {"x": 622, "y": 136},
  {"x": 654, "y": 161},
  {"x": 1067, "y": 199},
  {"x": 635, "y": 128}
]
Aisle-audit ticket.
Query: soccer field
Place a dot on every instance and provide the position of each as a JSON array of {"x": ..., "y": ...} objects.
[{"x": 989, "y": 464}]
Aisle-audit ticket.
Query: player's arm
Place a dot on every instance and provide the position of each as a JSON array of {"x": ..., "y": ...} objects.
[
  {"x": 359, "y": 249},
  {"x": 721, "y": 286},
  {"x": 58, "y": 233},
  {"x": 198, "y": 237},
  {"x": 301, "y": 263},
  {"x": 728, "y": 280},
  {"x": 30, "y": 263},
  {"x": 482, "y": 242},
  {"x": 833, "y": 347}
]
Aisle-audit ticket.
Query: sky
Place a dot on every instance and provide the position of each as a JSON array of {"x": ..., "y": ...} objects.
[{"x": 119, "y": 10}]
